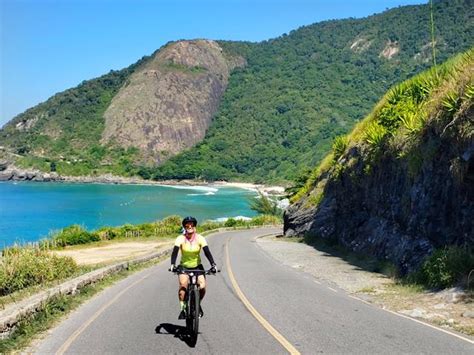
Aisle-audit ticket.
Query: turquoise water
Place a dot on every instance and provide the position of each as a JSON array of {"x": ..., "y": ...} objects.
[{"x": 30, "y": 211}]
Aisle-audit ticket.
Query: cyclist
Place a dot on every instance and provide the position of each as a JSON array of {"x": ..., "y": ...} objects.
[{"x": 190, "y": 243}]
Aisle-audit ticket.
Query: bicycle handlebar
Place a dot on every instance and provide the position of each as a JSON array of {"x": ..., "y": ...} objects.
[{"x": 179, "y": 270}]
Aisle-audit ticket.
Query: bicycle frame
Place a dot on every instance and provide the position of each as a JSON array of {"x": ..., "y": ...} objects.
[{"x": 193, "y": 300}]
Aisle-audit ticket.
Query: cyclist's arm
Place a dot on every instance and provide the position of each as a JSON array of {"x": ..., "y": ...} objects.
[
  {"x": 174, "y": 255},
  {"x": 208, "y": 254},
  {"x": 177, "y": 245}
]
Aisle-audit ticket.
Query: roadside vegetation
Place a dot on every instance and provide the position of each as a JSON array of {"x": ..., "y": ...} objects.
[{"x": 265, "y": 205}]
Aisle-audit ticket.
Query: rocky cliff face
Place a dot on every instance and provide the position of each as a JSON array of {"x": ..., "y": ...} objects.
[
  {"x": 168, "y": 104},
  {"x": 412, "y": 195}
]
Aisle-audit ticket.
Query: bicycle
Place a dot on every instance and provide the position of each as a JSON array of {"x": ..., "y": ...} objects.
[{"x": 193, "y": 299}]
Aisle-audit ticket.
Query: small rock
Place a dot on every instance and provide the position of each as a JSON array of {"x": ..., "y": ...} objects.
[
  {"x": 415, "y": 313},
  {"x": 468, "y": 314},
  {"x": 450, "y": 321},
  {"x": 439, "y": 306},
  {"x": 453, "y": 295}
]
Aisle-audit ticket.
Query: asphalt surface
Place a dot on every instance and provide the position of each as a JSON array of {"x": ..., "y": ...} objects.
[{"x": 139, "y": 314}]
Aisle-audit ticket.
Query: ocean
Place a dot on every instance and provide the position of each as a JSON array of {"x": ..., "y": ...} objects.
[{"x": 30, "y": 211}]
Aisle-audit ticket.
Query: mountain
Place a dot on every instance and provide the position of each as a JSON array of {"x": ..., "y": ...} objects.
[
  {"x": 263, "y": 112},
  {"x": 167, "y": 105},
  {"x": 401, "y": 185},
  {"x": 145, "y": 113}
]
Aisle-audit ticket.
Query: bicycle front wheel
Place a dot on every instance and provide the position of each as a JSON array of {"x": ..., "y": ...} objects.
[{"x": 195, "y": 302}]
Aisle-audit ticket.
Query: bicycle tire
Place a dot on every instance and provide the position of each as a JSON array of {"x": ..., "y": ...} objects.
[
  {"x": 197, "y": 303},
  {"x": 189, "y": 310}
]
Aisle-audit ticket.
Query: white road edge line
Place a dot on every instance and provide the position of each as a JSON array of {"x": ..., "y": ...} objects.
[{"x": 416, "y": 320}]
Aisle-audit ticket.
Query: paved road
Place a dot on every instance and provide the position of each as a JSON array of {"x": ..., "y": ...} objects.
[{"x": 139, "y": 314}]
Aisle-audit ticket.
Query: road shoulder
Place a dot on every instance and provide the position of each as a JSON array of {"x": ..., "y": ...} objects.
[{"x": 451, "y": 309}]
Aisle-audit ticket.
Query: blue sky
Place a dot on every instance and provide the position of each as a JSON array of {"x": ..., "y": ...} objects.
[{"x": 48, "y": 46}]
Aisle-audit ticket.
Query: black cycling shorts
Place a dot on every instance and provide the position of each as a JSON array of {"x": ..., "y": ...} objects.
[{"x": 199, "y": 267}]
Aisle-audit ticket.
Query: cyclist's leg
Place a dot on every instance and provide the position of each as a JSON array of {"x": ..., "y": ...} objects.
[
  {"x": 183, "y": 285},
  {"x": 202, "y": 286}
]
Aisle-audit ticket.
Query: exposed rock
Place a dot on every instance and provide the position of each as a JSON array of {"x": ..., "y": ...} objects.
[
  {"x": 392, "y": 212},
  {"x": 360, "y": 44},
  {"x": 415, "y": 313},
  {"x": 27, "y": 124},
  {"x": 167, "y": 106},
  {"x": 468, "y": 314},
  {"x": 5, "y": 175},
  {"x": 453, "y": 295},
  {"x": 425, "y": 54},
  {"x": 391, "y": 49},
  {"x": 4, "y": 165}
]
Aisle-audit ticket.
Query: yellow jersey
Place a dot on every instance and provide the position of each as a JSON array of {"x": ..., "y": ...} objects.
[{"x": 190, "y": 250}]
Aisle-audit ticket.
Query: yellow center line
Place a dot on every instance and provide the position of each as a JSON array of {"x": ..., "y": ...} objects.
[
  {"x": 81, "y": 329},
  {"x": 281, "y": 339}
]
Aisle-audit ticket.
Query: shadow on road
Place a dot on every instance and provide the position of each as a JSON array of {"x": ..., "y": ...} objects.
[
  {"x": 359, "y": 260},
  {"x": 178, "y": 331}
]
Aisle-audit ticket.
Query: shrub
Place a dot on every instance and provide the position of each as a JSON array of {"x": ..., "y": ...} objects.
[
  {"x": 375, "y": 134},
  {"x": 413, "y": 122},
  {"x": 446, "y": 267},
  {"x": 209, "y": 225},
  {"x": 265, "y": 219},
  {"x": 451, "y": 102},
  {"x": 24, "y": 267},
  {"x": 339, "y": 146},
  {"x": 172, "y": 220},
  {"x": 74, "y": 235},
  {"x": 265, "y": 205},
  {"x": 231, "y": 222},
  {"x": 469, "y": 92}
]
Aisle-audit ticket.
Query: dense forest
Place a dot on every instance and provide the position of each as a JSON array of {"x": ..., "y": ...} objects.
[{"x": 279, "y": 114}]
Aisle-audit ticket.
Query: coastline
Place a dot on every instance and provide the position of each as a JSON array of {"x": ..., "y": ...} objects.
[{"x": 13, "y": 173}]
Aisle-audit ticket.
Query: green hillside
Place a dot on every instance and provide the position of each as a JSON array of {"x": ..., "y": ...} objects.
[
  {"x": 279, "y": 114},
  {"x": 67, "y": 129}
]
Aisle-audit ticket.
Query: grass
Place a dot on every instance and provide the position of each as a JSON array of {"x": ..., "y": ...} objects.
[
  {"x": 370, "y": 289},
  {"x": 23, "y": 293},
  {"x": 21, "y": 268}
]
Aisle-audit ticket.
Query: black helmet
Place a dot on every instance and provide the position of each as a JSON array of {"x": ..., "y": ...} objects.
[{"x": 190, "y": 219}]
